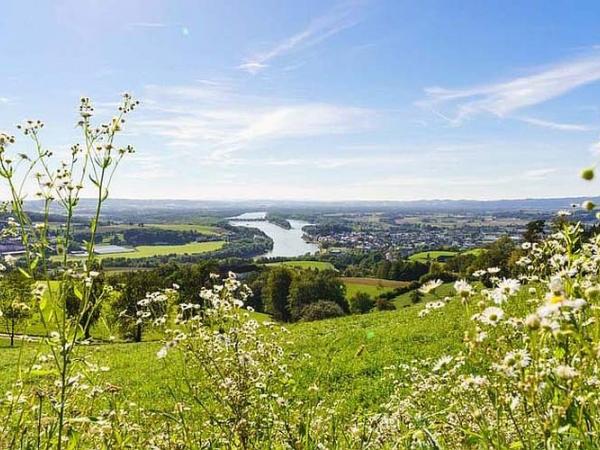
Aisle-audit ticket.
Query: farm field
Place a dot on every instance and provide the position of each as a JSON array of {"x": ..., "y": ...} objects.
[
  {"x": 319, "y": 265},
  {"x": 203, "y": 229},
  {"x": 371, "y": 286},
  {"x": 145, "y": 251}
]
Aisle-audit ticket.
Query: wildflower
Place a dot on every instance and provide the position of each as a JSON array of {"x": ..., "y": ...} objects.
[
  {"x": 491, "y": 316},
  {"x": 441, "y": 363},
  {"x": 587, "y": 174},
  {"x": 430, "y": 286},
  {"x": 565, "y": 372},
  {"x": 493, "y": 270},
  {"x": 588, "y": 205},
  {"x": 463, "y": 288},
  {"x": 532, "y": 321},
  {"x": 509, "y": 286},
  {"x": 162, "y": 353}
]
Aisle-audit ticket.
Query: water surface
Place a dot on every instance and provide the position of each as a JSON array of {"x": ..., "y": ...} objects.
[{"x": 286, "y": 243}]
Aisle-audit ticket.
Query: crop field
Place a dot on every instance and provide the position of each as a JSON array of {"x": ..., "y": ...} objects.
[
  {"x": 319, "y": 265},
  {"x": 371, "y": 286}
]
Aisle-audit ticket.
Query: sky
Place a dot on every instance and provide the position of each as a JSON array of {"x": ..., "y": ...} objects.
[{"x": 317, "y": 99}]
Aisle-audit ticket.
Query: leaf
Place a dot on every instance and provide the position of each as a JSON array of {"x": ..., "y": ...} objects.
[
  {"x": 78, "y": 292},
  {"x": 25, "y": 274}
]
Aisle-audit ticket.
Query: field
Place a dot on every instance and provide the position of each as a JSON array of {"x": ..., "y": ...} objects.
[
  {"x": 404, "y": 300},
  {"x": 347, "y": 356},
  {"x": 434, "y": 255},
  {"x": 203, "y": 229},
  {"x": 371, "y": 286},
  {"x": 319, "y": 265},
  {"x": 441, "y": 255},
  {"x": 145, "y": 251}
]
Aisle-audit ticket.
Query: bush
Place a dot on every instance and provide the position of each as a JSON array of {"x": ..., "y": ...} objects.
[
  {"x": 382, "y": 304},
  {"x": 446, "y": 277},
  {"x": 321, "y": 310},
  {"x": 361, "y": 303}
]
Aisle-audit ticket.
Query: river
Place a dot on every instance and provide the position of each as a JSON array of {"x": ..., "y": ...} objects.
[{"x": 286, "y": 243}]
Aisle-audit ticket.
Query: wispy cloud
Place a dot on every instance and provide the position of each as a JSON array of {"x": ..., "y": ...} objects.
[
  {"x": 556, "y": 125},
  {"x": 4, "y": 100},
  {"x": 504, "y": 98},
  {"x": 220, "y": 121},
  {"x": 539, "y": 174},
  {"x": 341, "y": 17}
]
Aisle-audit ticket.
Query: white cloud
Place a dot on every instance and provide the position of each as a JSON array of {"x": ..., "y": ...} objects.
[
  {"x": 340, "y": 18},
  {"x": 220, "y": 122},
  {"x": 556, "y": 125},
  {"x": 539, "y": 174},
  {"x": 504, "y": 98}
]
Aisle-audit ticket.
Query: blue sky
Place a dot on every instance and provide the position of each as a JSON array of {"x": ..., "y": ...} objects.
[{"x": 344, "y": 100}]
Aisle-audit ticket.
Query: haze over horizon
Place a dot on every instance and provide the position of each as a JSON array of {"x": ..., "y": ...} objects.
[{"x": 319, "y": 100}]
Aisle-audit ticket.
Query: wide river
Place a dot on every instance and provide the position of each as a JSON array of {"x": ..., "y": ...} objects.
[{"x": 286, "y": 243}]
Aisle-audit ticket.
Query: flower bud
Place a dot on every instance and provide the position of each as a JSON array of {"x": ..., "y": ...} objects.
[{"x": 587, "y": 174}]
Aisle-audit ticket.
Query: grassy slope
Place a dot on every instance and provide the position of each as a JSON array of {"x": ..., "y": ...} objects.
[
  {"x": 433, "y": 255},
  {"x": 319, "y": 265},
  {"x": 441, "y": 292},
  {"x": 371, "y": 286},
  {"x": 348, "y": 355}
]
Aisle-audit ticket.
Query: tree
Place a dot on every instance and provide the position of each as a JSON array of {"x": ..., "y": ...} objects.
[
  {"x": 276, "y": 292},
  {"x": 310, "y": 286},
  {"x": 15, "y": 301},
  {"x": 361, "y": 303},
  {"x": 131, "y": 288},
  {"x": 534, "y": 231}
]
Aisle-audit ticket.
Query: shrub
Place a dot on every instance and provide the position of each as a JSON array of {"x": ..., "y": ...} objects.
[
  {"x": 320, "y": 310},
  {"x": 361, "y": 303},
  {"x": 382, "y": 304}
]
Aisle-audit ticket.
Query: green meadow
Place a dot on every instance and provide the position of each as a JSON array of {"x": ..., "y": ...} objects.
[
  {"x": 318, "y": 265},
  {"x": 347, "y": 356},
  {"x": 371, "y": 286}
]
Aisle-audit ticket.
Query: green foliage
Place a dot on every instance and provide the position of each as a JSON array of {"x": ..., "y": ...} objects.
[
  {"x": 276, "y": 293},
  {"x": 361, "y": 303},
  {"x": 320, "y": 310},
  {"x": 15, "y": 301},
  {"x": 311, "y": 286}
]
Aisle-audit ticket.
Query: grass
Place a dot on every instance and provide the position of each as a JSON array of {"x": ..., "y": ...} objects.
[
  {"x": 434, "y": 255},
  {"x": 318, "y": 265},
  {"x": 444, "y": 290},
  {"x": 203, "y": 229},
  {"x": 371, "y": 286},
  {"x": 442, "y": 255},
  {"x": 347, "y": 356},
  {"x": 145, "y": 251}
]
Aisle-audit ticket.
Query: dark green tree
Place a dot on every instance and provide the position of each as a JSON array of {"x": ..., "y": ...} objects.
[
  {"x": 276, "y": 292},
  {"x": 361, "y": 303}
]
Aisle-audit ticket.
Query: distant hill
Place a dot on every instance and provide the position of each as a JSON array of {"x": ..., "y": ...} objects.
[{"x": 228, "y": 208}]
